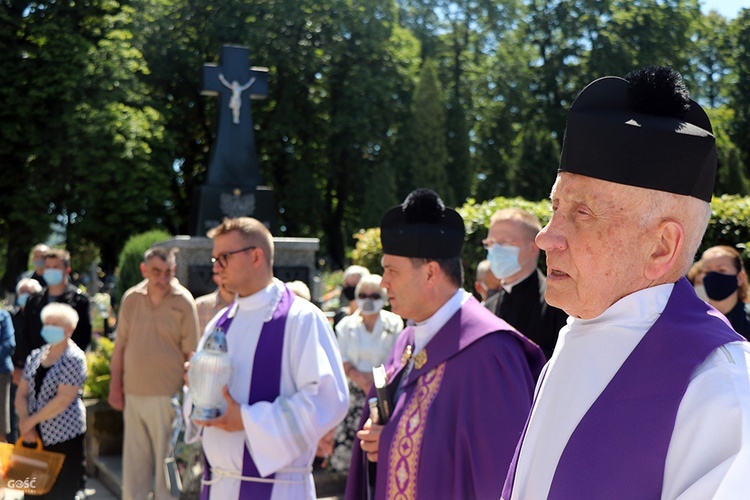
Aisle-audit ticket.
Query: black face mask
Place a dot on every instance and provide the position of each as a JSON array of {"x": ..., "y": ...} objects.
[
  {"x": 719, "y": 286},
  {"x": 348, "y": 292}
]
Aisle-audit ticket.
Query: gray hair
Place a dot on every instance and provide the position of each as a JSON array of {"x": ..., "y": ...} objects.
[
  {"x": 360, "y": 271},
  {"x": 165, "y": 254},
  {"x": 529, "y": 221},
  {"x": 371, "y": 280},
  {"x": 693, "y": 214},
  {"x": 63, "y": 312},
  {"x": 35, "y": 286}
]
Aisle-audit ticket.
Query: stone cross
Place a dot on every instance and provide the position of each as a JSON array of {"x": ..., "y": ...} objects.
[{"x": 234, "y": 163}]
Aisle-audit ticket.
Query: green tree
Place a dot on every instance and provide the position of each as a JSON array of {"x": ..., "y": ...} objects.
[
  {"x": 711, "y": 59},
  {"x": 79, "y": 128},
  {"x": 533, "y": 172},
  {"x": 740, "y": 96},
  {"x": 459, "y": 167},
  {"x": 425, "y": 149},
  {"x": 638, "y": 33}
]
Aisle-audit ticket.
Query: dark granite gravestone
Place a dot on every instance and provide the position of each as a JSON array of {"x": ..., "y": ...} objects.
[{"x": 231, "y": 188}]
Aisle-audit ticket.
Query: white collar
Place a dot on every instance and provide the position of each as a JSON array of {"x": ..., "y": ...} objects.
[
  {"x": 425, "y": 330},
  {"x": 268, "y": 297}
]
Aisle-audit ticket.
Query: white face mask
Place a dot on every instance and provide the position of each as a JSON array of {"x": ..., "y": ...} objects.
[
  {"x": 503, "y": 260},
  {"x": 369, "y": 306}
]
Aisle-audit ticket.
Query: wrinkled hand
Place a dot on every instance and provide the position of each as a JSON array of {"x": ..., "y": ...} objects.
[
  {"x": 26, "y": 426},
  {"x": 231, "y": 420},
  {"x": 370, "y": 439}
]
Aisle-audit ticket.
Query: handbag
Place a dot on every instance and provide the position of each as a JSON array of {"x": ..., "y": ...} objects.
[{"x": 30, "y": 470}]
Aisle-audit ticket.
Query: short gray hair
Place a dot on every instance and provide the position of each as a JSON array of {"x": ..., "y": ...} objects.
[
  {"x": 168, "y": 255},
  {"x": 355, "y": 270},
  {"x": 692, "y": 213},
  {"x": 371, "y": 280},
  {"x": 28, "y": 283},
  {"x": 58, "y": 310}
]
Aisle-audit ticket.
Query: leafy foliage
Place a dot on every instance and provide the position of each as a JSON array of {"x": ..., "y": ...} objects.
[
  {"x": 97, "y": 361},
  {"x": 425, "y": 152},
  {"x": 368, "y": 251},
  {"x": 729, "y": 225},
  {"x": 104, "y": 131}
]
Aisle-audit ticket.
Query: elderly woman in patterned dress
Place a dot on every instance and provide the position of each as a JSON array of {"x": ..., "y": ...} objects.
[
  {"x": 366, "y": 338},
  {"x": 48, "y": 400}
]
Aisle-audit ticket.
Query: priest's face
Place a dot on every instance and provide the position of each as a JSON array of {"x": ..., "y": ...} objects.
[
  {"x": 405, "y": 285},
  {"x": 236, "y": 264},
  {"x": 597, "y": 244}
]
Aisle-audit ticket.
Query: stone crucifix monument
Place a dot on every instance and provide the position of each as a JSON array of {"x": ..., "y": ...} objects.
[
  {"x": 231, "y": 188},
  {"x": 232, "y": 185}
]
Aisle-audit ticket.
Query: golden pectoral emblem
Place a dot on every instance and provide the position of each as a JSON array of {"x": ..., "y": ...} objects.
[
  {"x": 406, "y": 355},
  {"x": 420, "y": 359}
]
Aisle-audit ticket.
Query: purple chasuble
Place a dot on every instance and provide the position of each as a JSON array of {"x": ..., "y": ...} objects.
[
  {"x": 456, "y": 415},
  {"x": 619, "y": 448},
  {"x": 265, "y": 385}
]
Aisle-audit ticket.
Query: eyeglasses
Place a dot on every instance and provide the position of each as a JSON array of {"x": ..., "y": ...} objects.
[
  {"x": 373, "y": 296},
  {"x": 223, "y": 259}
]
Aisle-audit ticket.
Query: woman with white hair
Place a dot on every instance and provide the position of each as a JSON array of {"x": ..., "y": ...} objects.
[
  {"x": 48, "y": 400},
  {"x": 366, "y": 338}
]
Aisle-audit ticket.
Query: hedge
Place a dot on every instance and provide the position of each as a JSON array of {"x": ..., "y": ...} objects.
[{"x": 729, "y": 225}]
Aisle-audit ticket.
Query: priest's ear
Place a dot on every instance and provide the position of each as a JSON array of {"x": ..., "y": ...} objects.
[{"x": 666, "y": 250}]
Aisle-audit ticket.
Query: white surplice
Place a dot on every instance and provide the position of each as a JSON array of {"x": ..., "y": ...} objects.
[
  {"x": 709, "y": 453},
  {"x": 282, "y": 435}
]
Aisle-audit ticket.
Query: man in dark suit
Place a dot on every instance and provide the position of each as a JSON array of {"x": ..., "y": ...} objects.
[{"x": 513, "y": 257}]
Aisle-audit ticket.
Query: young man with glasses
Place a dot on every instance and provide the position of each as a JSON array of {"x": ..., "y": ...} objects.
[
  {"x": 157, "y": 331},
  {"x": 288, "y": 387}
]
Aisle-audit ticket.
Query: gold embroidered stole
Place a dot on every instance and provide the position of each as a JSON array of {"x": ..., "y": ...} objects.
[{"x": 403, "y": 463}]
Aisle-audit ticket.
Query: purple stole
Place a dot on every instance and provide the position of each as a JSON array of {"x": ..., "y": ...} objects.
[
  {"x": 619, "y": 448},
  {"x": 265, "y": 385},
  {"x": 402, "y": 436}
]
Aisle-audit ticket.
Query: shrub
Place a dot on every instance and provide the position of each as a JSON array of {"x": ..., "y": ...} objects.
[
  {"x": 97, "y": 362},
  {"x": 368, "y": 250}
]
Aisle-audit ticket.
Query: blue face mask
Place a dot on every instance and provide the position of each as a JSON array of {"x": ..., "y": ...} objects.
[
  {"x": 53, "y": 276},
  {"x": 39, "y": 263},
  {"x": 53, "y": 334},
  {"x": 21, "y": 300},
  {"x": 503, "y": 260}
]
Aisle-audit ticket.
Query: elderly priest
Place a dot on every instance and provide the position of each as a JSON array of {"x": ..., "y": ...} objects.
[{"x": 647, "y": 394}]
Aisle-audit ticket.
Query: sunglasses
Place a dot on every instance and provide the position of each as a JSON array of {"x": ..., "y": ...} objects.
[{"x": 373, "y": 296}]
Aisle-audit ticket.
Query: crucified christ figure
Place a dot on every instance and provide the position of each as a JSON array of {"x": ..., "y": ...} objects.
[{"x": 235, "y": 102}]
